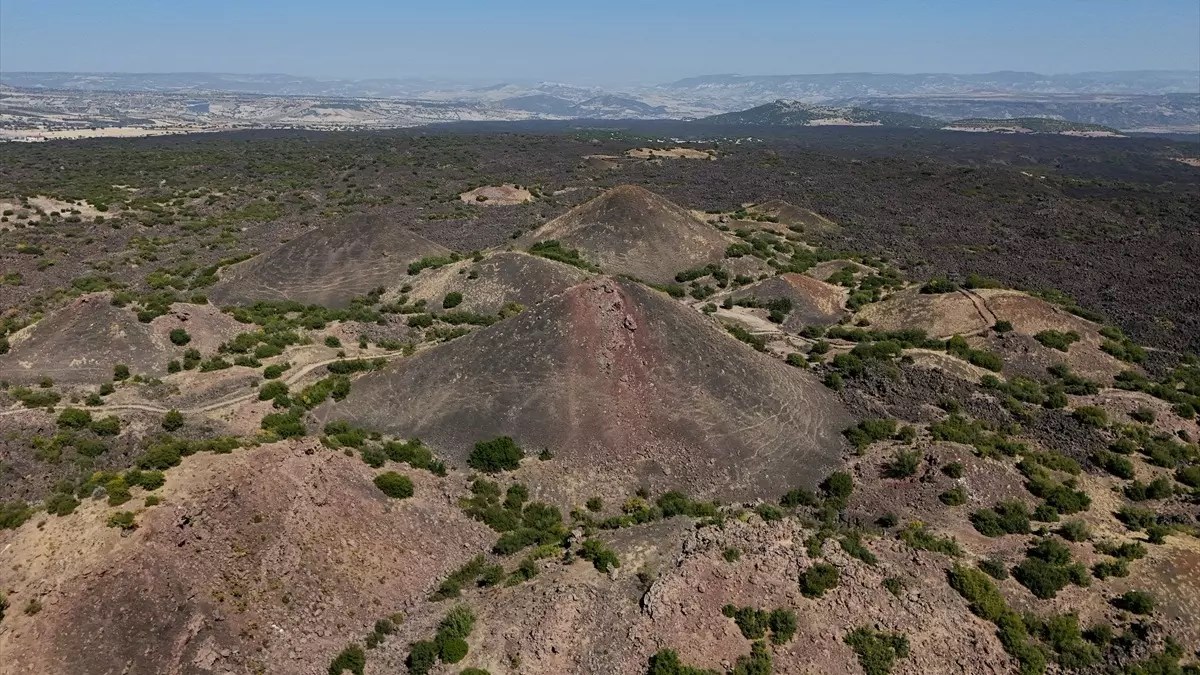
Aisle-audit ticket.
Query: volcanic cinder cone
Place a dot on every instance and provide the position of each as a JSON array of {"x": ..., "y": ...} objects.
[{"x": 625, "y": 387}]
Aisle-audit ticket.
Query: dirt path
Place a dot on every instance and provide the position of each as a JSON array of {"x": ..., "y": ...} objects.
[
  {"x": 291, "y": 378},
  {"x": 981, "y": 307}
]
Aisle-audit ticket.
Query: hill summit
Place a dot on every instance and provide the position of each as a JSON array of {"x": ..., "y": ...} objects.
[
  {"x": 624, "y": 387},
  {"x": 328, "y": 266},
  {"x": 630, "y": 230},
  {"x": 784, "y": 113}
]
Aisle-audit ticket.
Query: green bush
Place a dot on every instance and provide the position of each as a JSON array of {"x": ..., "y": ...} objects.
[
  {"x": 451, "y": 587},
  {"x": 918, "y": 537},
  {"x": 869, "y": 431},
  {"x": 272, "y": 390},
  {"x": 818, "y": 579},
  {"x": 499, "y": 454},
  {"x": 994, "y": 568},
  {"x": 458, "y": 623},
  {"x": 903, "y": 464},
  {"x": 980, "y": 593},
  {"x": 1048, "y": 568},
  {"x": 837, "y": 488},
  {"x": 106, "y": 426},
  {"x": 603, "y": 558},
  {"x": 180, "y": 337},
  {"x": 666, "y": 662},
  {"x": 853, "y": 545},
  {"x": 1075, "y": 530},
  {"x": 123, "y": 519},
  {"x": 955, "y": 496},
  {"x": 394, "y": 485},
  {"x": 1091, "y": 416},
  {"x": 1008, "y": 517},
  {"x": 1137, "y": 602},
  {"x": 352, "y": 658},
  {"x": 1056, "y": 339},
  {"x": 120, "y": 372},
  {"x": 275, "y": 370},
  {"x": 453, "y": 650},
  {"x": 61, "y": 504},
  {"x": 877, "y": 650},
  {"x": 554, "y": 250},
  {"x": 1189, "y": 475},
  {"x": 74, "y": 418},
  {"x": 13, "y": 514},
  {"x": 1117, "y": 465},
  {"x": 172, "y": 420},
  {"x": 453, "y": 299},
  {"x": 422, "y": 657},
  {"x": 939, "y": 285},
  {"x": 757, "y": 662}
]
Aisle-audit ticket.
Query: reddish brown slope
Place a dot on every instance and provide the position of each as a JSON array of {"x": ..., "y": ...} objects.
[{"x": 625, "y": 387}]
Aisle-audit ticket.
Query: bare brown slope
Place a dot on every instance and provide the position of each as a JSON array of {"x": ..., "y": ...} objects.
[
  {"x": 81, "y": 342},
  {"x": 264, "y": 560},
  {"x": 501, "y": 278},
  {"x": 792, "y": 215},
  {"x": 327, "y": 266},
  {"x": 630, "y": 230},
  {"x": 965, "y": 312},
  {"x": 625, "y": 387},
  {"x": 814, "y": 303}
]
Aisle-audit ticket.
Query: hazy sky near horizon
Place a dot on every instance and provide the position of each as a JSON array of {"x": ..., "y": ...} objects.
[{"x": 610, "y": 42}]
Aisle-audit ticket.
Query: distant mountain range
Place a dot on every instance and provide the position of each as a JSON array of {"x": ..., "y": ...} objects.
[
  {"x": 1156, "y": 101},
  {"x": 797, "y": 114}
]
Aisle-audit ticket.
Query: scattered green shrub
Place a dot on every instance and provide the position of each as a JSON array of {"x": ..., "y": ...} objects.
[
  {"x": 394, "y": 485},
  {"x": 877, "y": 650},
  {"x": 352, "y": 658},
  {"x": 1056, "y": 339},
  {"x": 496, "y": 455},
  {"x": 818, "y": 579}
]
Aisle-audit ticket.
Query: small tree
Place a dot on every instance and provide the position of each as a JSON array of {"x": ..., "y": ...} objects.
[
  {"x": 180, "y": 337},
  {"x": 120, "y": 372},
  {"x": 172, "y": 420},
  {"x": 499, "y": 454}
]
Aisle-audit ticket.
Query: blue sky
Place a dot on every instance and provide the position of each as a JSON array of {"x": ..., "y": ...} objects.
[{"x": 599, "y": 42}]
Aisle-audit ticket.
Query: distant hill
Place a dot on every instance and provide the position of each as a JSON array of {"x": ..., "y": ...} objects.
[
  {"x": 1167, "y": 112},
  {"x": 783, "y": 113},
  {"x": 1030, "y": 125},
  {"x": 608, "y": 106},
  {"x": 630, "y": 230}
]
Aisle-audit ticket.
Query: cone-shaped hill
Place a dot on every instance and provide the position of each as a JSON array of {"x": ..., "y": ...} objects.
[
  {"x": 625, "y": 387},
  {"x": 814, "y": 303},
  {"x": 327, "y": 266},
  {"x": 500, "y": 278},
  {"x": 791, "y": 215},
  {"x": 630, "y": 230},
  {"x": 82, "y": 342}
]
